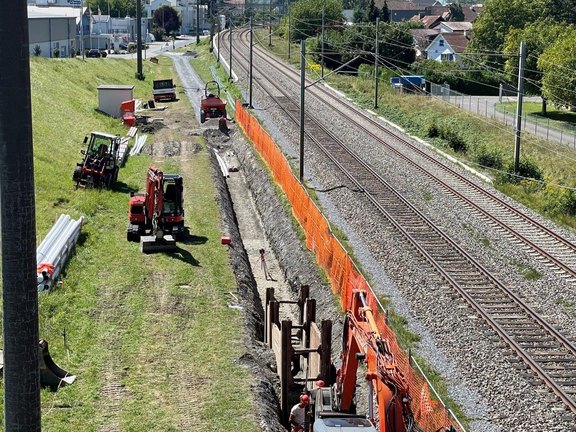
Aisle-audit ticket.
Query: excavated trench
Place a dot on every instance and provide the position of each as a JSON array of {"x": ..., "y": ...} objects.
[{"x": 296, "y": 264}]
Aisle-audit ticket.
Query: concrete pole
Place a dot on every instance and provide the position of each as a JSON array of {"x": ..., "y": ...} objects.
[
  {"x": 82, "y": 30},
  {"x": 376, "y": 55},
  {"x": 18, "y": 227},
  {"x": 219, "y": 35},
  {"x": 251, "y": 62},
  {"x": 302, "y": 91},
  {"x": 270, "y": 22},
  {"x": 139, "y": 73},
  {"x": 518, "y": 127},
  {"x": 230, "y": 44},
  {"x": 322, "y": 44},
  {"x": 197, "y": 22},
  {"x": 289, "y": 28}
]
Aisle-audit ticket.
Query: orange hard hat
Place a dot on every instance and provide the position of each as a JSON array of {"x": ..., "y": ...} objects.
[
  {"x": 320, "y": 383},
  {"x": 305, "y": 399}
]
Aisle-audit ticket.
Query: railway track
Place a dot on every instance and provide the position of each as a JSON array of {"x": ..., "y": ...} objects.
[{"x": 546, "y": 351}]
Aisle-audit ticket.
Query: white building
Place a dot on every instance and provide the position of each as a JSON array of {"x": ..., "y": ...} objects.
[{"x": 53, "y": 30}]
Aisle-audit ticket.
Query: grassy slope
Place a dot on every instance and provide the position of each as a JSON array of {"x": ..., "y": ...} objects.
[{"x": 149, "y": 336}]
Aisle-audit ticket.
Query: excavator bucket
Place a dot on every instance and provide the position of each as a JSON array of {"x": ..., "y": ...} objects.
[
  {"x": 50, "y": 374},
  {"x": 150, "y": 244}
]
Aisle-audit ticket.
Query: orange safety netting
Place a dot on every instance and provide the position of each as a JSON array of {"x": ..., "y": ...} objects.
[{"x": 342, "y": 272}]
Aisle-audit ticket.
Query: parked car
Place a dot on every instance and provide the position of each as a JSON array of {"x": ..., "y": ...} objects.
[{"x": 94, "y": 53}]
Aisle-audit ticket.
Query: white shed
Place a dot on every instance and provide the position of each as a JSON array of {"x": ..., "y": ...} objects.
[{"x": 111, "y": 96}]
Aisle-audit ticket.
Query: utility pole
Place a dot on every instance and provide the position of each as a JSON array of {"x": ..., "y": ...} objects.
[
  {"x": 518, "y": 127},
  {"x": 270, "y": 22},
  {"x": 197, "y": 22},
  {"x": 376, "y": 55},
  {"x": 219, "y": 36},
  {"x": 302, "y": 90},
  {"x": 251, "y": 49},
  {"x": 230, "y": 44},
  {"x": 81, "y": 30},
  {"x": 322, "y": 45},
  {"x": 289, "y": 28},
  {"x": 22, "y": 411},
  {"x": 139, "y": 73}
]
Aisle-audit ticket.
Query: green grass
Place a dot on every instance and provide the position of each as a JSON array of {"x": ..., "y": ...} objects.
[
  {"x": 555, "y": 118},
  {"x": 155, "y": 326},
  {"x": 529, "y": 273}
]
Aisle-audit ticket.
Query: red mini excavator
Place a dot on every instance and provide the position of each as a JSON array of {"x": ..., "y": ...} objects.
[{"x": 156, "y": 218}]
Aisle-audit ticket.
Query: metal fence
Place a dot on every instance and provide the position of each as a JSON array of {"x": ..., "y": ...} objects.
[{"x": 487, "y": 107}]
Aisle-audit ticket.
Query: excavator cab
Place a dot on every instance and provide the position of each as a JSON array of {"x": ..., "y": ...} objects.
[{"x": 156, "y": 217}]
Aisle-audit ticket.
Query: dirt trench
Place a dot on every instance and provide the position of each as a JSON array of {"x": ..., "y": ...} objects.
[{"x": 289, "y": 263}]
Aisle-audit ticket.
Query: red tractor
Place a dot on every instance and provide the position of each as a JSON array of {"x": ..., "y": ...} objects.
[
  {"x": 211, "y": 106},
  {"x": 158, "y": 213},
  {"x": 100, "y": 166}
]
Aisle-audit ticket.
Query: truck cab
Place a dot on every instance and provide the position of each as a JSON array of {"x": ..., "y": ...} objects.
[{"x": 163, "y": 90}]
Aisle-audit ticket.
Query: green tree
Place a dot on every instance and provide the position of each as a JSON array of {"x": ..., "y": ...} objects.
[
  {"x": 498, "y": 17},
  {"x": 166, "y": 17},
  {"x": 558, "y": 63},
  {"x": 456, "y": 12},
  {"x": 537, "y": 36},
  {"x": 306, "y": 17}
]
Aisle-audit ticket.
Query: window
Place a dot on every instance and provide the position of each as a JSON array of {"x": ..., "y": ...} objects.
[
  {"x": 441, "y": 42},
  {"x": 447, "y": 57}
]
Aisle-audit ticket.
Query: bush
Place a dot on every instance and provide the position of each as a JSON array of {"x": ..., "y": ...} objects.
[
  {"x": 56, "y": 53},
  {"x": 37, "y": 51},
  {"x": 568, "y": 202},
  {"x": 433, "y": 131},
  {"x": 488, "y": 157},
  {"x": 365, "y": 70},
  {"x": 526, "y": 170}
]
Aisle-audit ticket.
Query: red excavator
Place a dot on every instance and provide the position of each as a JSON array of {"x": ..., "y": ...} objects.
[
  {"x": 388, "y": 390},
  {"x": 211, "y": 106},
  {"x": 156, "y": 218},
  {"x": 100, "y": 166}
]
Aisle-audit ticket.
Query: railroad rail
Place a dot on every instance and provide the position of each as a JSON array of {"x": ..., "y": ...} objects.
[{"x": 546, "y": 351}]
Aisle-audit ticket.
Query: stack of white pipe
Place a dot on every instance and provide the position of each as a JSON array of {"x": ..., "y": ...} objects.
[
  {"x": 222, "y": 164},
  {"x": 54, "y": 250},
  {"x": 140, "y": 140}
]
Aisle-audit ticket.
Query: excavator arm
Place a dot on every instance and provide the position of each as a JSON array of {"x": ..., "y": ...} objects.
[{"x": 387, "y": 386}]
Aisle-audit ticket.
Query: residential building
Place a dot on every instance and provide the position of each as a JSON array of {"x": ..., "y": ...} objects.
[
  {"x": 422, "y": 39},
  {"x": 447, "y": 47},
  {"x": 454, "y": 27}
]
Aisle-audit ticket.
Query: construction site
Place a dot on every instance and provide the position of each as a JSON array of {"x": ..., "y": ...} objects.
[{"x": 190, "y": 277}]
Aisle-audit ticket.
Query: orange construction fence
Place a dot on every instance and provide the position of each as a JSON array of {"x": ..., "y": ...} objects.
[{"x": 342, "y": 272}]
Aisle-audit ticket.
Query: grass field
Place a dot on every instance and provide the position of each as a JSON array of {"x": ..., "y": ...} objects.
[{"x": 150, "y": 337}]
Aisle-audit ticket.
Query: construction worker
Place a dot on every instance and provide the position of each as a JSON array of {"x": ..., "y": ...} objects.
[
  {"x": 223, "y": 126},
  {"x": 298, "y": 414}
]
